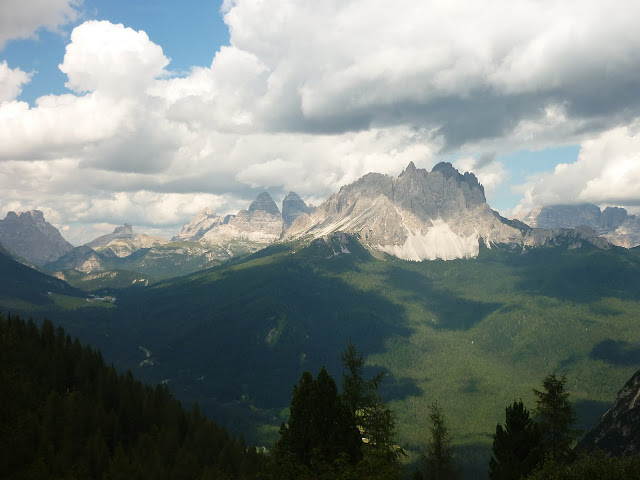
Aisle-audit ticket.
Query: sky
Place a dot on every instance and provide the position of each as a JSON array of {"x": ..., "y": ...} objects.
[{"x": 146, "y": 112}]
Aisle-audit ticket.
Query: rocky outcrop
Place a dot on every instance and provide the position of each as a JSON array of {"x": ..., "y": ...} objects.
[
  {"x": 123, "y": 242},
  {"x": 292, "y": 207},
  {"x": 31, "y": 237},
  {"x": 612, "y": 223},
  {"x": 261, "y": 224},
  {"x": 201, "y": 224},
  {"x": 618, "y": 432},
  {"x": 247, "y": 231},
  {"x": 627, "y": 234},
  {"x": 83, "y": 259}
]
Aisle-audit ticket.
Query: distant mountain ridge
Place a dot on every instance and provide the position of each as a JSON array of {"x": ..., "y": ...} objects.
[
  {"x": 419, "y": 215},
  {"x": 249, "y": 230},
  {"x": 123, "y": 242},
  {"x": 612, "y": 223},
  {"x": 206, "y": 241}
]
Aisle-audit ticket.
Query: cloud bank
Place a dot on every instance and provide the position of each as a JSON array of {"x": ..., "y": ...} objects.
[{"x": 318, "y": 95}]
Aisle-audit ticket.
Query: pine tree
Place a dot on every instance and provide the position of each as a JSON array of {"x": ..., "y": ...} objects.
[
  {"x": 375, "y": 419},
  {"x": 356, "y": 391},
  {"x": 438, "y": 458},
  {"x": 555, "y": 417},
  {"x": 320, "y": 429},
  {"x": 515, "y": 447}
]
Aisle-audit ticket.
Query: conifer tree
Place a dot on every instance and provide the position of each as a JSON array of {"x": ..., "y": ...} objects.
[
  {"x": 515, "y": 446},
  {"x": 438, "y": 458},
  {"x": 320, "y": 429},
  {"x": 555, "y": 417},
  {"x": 375, "y": 418}
]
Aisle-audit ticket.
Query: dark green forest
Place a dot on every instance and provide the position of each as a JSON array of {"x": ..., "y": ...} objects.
[{"x": 65, "y": 414}]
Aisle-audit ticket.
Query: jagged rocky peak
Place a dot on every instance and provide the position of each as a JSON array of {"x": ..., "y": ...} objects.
[
  {"x": 418, "y": 215},
  {"x": 450, "y": 172},
  {"x": 264, "y": 203},
  {"x": 123, "y": 231},
  {"x": 31, "y": 237},
  {"x": 423, "y": 215},
  {"x": 292, "y": 207},
  {"x": 123, "y": 242},
  {"x": 613, "y": 217},
  {"x": 204, "y": 221}
]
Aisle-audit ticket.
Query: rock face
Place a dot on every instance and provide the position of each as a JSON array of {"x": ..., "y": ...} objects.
[
  {"x": 613, "y": 223},
  {"x": 201, "y": 224},
  {"x": 31, "y": 237},
  {"x": 83, "y": 259},
  {"x": 123, "y": 242},
  {"x": 247, "y": 231},
  {"x": 292, "y": 207},
  {"x": 419, "y": 215},
  {"x": 422, "y": 215},
  {"x": 618, "y": 432}
]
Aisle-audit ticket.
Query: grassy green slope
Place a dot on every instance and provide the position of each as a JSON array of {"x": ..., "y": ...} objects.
[
  {"x": 24, "y": 289},
  {"x": 473, "y": 334}
]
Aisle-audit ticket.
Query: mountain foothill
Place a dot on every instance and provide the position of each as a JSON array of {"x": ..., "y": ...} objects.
[{"x": 460, "y": 306}]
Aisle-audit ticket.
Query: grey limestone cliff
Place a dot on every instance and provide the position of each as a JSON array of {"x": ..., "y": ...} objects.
[
  {"x": 418, "y": 215},
  {"x": 31, "y": 237},
  {"x": 123, "y": 242},
  {"x": 422, "y": 215},
  {"x": 246, "y": 231},
  {"x": 292, "y": 207}
]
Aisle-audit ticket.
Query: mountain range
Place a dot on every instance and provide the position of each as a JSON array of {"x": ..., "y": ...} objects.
[
  {"x": 419, "y": 215},
  {"x": 613, "y": 223}
]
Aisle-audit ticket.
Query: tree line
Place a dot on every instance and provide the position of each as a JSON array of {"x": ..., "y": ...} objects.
[{"x": 64, "y": 414}]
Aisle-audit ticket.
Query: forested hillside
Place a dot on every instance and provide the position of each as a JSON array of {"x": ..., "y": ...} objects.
[
  {"x": 65, "y": 414},
  {"x": 471, "y": 334}
]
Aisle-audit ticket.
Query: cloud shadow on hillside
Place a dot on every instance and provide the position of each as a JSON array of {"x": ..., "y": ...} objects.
[
  {"x": 258, "y": 328},
  {"x": 616, "y": 352},
  {"x": 453, "y": 312},
  {"x": 589, "y": 413},
  {"x": 582, "y": 275}
]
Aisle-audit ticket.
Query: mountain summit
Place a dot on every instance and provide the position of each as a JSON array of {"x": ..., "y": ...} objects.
[
  {"x": 123, "y": 242},
  {"x": 292, "y": 207},
  {"x": 30, "y": 236},
  {"x": 423, "y": 215},
  {"x": 417, "y": 216}
]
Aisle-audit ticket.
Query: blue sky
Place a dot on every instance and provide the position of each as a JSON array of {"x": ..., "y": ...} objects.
[
  {"x": 189, "y": 33},
  {"x": 176, "y": 106}
]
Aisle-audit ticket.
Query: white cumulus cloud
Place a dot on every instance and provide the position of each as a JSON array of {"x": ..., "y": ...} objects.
[
  {"x": 11, "y": 81},
  {"x": 607, "y": 172},
  {"x": 309, "y": 96},
  {"x": 112, "y": 59}
]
